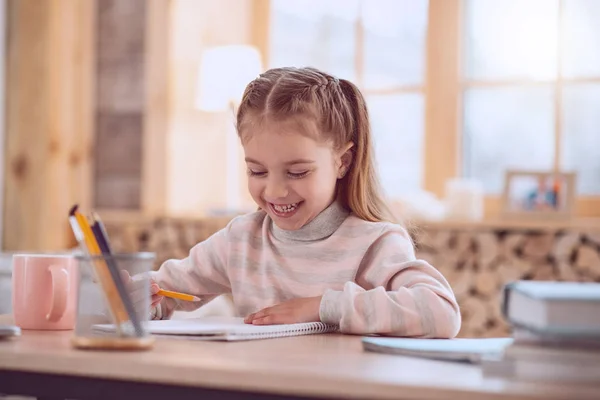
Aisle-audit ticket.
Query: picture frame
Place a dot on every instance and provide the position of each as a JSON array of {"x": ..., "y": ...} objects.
[{"x": 538, "y": 194}]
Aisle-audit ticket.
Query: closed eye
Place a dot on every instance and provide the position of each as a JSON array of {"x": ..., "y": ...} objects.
[
  {"x": 297, "y": 175},
  {"x": 256, "y": 173}
]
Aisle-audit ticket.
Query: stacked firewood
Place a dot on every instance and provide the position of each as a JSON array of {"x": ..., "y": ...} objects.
[{"x": 478, "y": 263}]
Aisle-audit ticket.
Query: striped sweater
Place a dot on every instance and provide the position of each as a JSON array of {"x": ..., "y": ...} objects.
[{"x": 366, "y": 272}]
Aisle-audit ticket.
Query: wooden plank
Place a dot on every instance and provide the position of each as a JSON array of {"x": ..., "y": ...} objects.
[
  {"x": 117, "y": 192},
  {"x": 3, "y": 50},
  {"x": 120, "y": 55},
  {"x": 443, "y": 94},
  {"x": 121, "y": 102},
  {"x": 118, "y": 160},
  {"x": 156, "y": 114},
  {"x": 48, "y": 129},
  {"x": 119, "y": 148},
  {"x": 26, "y": 116},
  {"x": 261, "y": 28}
]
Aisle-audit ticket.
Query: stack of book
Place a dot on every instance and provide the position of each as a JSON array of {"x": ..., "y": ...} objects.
[{"x": 556, "y": 332}]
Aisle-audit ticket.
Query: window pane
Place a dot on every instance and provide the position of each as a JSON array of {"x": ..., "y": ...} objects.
[
  {"x": 511, "y": 39},
  {"x": 395, "y": 34},
  {"x": 315, "y": 33},
  {"x": 507, "y": 128},
  {"x": 581, "y": 135},
  {"x": 397, "y": 124},
  {"x": 582, "y": 38}
]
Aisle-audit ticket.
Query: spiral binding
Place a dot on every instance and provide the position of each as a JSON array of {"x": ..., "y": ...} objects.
[{"x": 310, "y": 328}]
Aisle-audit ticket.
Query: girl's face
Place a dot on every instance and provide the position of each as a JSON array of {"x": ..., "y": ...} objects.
[{"x": 290, "y": 175}]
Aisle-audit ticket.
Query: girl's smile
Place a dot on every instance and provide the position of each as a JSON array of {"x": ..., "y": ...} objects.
[{"x": 285, "y": 210}]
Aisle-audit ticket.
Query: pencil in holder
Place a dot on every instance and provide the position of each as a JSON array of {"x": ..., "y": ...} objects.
[{"x": 113, "y": 301}]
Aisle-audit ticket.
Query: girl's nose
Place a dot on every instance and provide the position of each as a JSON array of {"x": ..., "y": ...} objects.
[{"x": 276, "y": 189}]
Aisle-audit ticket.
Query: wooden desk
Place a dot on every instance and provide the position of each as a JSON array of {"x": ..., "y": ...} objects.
[{"x": 325, "y": 366}]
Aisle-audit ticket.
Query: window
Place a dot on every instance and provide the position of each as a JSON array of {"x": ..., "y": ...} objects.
[
  {"x": 531, "y": 89},
  {"x": 462, "y": 87},
  {"x": 381, "y": 46}
]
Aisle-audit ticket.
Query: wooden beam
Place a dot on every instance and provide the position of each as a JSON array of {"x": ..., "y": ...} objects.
[
  {"x": 156, "y": 114},
  {"x": 49, "y": 123},
  {"x": 260, "y": 29},
  {"x": 120, "y": 104},
  {"x": 442, "y": 95},
  {"x": 3, "y": 50}
]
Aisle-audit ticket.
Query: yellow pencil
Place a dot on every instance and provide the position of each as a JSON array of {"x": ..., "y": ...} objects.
[{"x": 177, "y": 295}]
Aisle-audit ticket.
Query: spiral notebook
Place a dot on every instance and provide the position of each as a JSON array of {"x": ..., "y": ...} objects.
[{"x": 227, "y": 329}]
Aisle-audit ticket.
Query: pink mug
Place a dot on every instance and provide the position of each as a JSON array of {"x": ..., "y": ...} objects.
[{"x": 44, "y": 291}]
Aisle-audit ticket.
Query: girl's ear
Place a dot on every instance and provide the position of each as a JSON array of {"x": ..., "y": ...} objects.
[{"x": 345, "y": 160}]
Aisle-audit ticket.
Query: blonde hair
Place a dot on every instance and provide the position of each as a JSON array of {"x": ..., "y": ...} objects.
[{"x": 340, "y": 113}]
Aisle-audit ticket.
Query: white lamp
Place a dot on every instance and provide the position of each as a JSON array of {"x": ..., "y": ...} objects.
[{"x": 222, "y": 77}]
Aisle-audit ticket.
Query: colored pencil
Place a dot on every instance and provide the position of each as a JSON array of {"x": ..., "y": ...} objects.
[{"x": 177, "y": 295}]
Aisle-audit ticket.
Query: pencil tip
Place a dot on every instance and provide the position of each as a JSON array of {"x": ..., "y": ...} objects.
[{"x": 73, "y": 210}]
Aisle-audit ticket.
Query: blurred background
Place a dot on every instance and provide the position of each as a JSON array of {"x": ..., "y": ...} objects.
[{"x": 126, "y": 107}]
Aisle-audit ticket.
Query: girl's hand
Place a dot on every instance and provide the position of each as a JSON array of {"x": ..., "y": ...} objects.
[{"x": 289, "y": 312}]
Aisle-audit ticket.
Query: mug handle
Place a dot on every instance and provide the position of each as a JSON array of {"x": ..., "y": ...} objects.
[{"x": 60, "y": 292}]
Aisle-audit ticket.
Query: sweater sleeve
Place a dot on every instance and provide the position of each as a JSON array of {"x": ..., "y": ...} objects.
[
  {"x": 202, "y": 273},
  {"x": 394, "y": 294}
]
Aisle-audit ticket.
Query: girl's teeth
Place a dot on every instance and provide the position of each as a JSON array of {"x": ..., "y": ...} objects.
[{"x": 285, "y": 208}]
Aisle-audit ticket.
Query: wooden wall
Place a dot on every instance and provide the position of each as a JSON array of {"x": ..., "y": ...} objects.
[
  {"x": 86, "y": 118},
  {"x": 48, "y": 120}
]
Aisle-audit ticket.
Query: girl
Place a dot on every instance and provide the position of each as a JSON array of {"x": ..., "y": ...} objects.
[{"x": 322, "y": 246}]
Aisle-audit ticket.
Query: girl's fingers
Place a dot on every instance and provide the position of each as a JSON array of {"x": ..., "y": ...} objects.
[
  {"x": 266, "y": 320},
  {"x": 139, "y": 293},
  {"x": 125, "y": 277},
  {"x": 262, "y": 313},
  {"x": 154, "y": 288},
  {"x": 266, "y": 316},
  {"x": 155, "y": 300}
]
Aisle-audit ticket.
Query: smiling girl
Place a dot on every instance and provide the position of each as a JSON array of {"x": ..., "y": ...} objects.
[{"x": 323, "y": 246}]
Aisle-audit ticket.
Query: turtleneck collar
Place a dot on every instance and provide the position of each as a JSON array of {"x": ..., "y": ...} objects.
[{"x": 321, "y": 227}]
